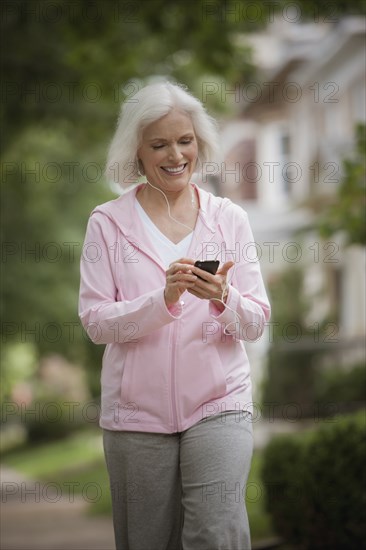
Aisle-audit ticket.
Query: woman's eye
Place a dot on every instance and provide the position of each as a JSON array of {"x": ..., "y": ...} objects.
[{"x": 183, "y": 142}]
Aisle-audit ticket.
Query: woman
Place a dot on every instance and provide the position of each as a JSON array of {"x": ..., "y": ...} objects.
[{"x": 176, "y": 391}]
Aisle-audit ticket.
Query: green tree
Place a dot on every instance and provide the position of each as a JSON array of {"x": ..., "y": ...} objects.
[
  {"x": 66, "y": 67},
  {"x": 347, "y": 210}
]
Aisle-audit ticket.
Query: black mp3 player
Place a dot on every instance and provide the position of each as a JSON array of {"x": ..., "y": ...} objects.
[{"x": 211, "y": 266}]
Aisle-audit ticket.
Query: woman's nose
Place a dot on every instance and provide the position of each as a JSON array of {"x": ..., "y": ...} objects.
[{"x": 175, "y": 153}]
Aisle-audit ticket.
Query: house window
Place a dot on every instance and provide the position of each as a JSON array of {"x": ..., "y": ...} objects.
[{"x": 336, "y": 294}]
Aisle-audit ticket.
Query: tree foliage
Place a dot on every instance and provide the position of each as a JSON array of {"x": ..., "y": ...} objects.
[
  {"x": 347, "y": 212},
  {"x": 66, "y": 67}
]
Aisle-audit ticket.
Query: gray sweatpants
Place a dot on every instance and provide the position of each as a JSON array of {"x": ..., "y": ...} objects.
[{"x": 182, "y": 491}]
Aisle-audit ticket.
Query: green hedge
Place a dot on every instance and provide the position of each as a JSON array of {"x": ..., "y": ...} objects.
[
  {"x": 315, "y": 485},
  {"x": 51, "y": 418},
  {"x": 316, "y": 390},
  {"x": 337, "y": 385}
]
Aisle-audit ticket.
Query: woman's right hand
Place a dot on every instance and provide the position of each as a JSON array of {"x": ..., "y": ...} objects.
[{"x": 179, "y": 278}]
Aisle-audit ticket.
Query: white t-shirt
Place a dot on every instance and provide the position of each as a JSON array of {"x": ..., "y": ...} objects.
[{"x": 168, "y": 251}]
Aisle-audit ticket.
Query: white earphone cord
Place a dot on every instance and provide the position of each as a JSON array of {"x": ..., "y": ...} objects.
[
  {"x": 168, "y": 205},
  {"x": 237, "y": 321}
]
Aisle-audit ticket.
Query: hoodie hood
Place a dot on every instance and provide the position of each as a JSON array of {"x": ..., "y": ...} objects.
[{"x": 119, "y": 210}]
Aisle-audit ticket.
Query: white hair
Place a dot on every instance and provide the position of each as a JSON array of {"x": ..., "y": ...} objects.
[{"x": 148, "y": 105}]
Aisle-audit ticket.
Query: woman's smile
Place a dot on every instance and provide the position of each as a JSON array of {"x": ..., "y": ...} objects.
[{"x": 174, "y": 170}]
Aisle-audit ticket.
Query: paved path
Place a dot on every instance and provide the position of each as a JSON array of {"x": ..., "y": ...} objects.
[{"x": 30, "y": 522}]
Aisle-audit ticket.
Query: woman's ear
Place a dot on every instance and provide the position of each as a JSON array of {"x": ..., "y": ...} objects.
[{"x": 140, "y": 168}]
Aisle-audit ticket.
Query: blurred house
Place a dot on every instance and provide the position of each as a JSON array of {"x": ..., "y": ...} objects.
[{"x": 284, "y": 150}]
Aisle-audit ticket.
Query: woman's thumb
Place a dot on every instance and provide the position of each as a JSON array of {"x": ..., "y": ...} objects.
[{"x": 225, "y": 268}]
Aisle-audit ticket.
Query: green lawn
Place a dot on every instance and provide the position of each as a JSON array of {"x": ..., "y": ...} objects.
[
  {"x": 78, "y": 461},
  {"x": 43, "y": 460}
]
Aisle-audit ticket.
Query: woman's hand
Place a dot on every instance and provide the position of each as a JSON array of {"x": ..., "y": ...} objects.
[
  {"x": 211, "y": 287},
  {"x": 179, "y": 278}
]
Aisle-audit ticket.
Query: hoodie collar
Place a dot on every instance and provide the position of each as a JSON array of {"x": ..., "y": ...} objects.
[
  {"x": 122, "y": 210},
  {"x": 123, "y": 214}
]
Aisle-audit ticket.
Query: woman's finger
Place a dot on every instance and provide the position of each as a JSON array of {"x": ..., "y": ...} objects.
[
  {"x": 184, "y": 261},
  {"x": 176, "y": 268}
]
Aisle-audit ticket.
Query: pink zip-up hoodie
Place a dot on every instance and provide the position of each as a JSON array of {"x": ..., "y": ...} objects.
[{"x": 166, "y": 369}]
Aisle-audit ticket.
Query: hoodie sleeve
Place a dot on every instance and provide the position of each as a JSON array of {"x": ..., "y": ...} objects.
[
  {"x": 248, "y": 308},
  {"x": 105, "y": 319}
]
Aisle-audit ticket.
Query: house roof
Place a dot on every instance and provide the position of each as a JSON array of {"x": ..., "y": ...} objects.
[{"x": 303, "y": 61}]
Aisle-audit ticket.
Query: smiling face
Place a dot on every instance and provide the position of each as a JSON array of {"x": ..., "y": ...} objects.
[{"x": 169, "y": 151}]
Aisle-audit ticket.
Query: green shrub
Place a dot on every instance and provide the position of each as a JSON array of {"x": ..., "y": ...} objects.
[
  {"x": 338, "y": 385},
  {"x": 50, "y": 418},
  {"x": 316, "y": 390},
  {"x": 315, "y": 486},
  {"x": 291, "y": 377}
]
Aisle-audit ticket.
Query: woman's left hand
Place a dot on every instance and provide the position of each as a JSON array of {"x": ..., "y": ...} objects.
[{"x": 210, "y": 286}]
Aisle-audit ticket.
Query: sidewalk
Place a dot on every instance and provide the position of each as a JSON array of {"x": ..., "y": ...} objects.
[{"x": 31, "y": 523}]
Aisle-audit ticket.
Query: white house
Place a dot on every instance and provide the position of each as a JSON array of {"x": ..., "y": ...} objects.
[{"x": 285, "y": 147}]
